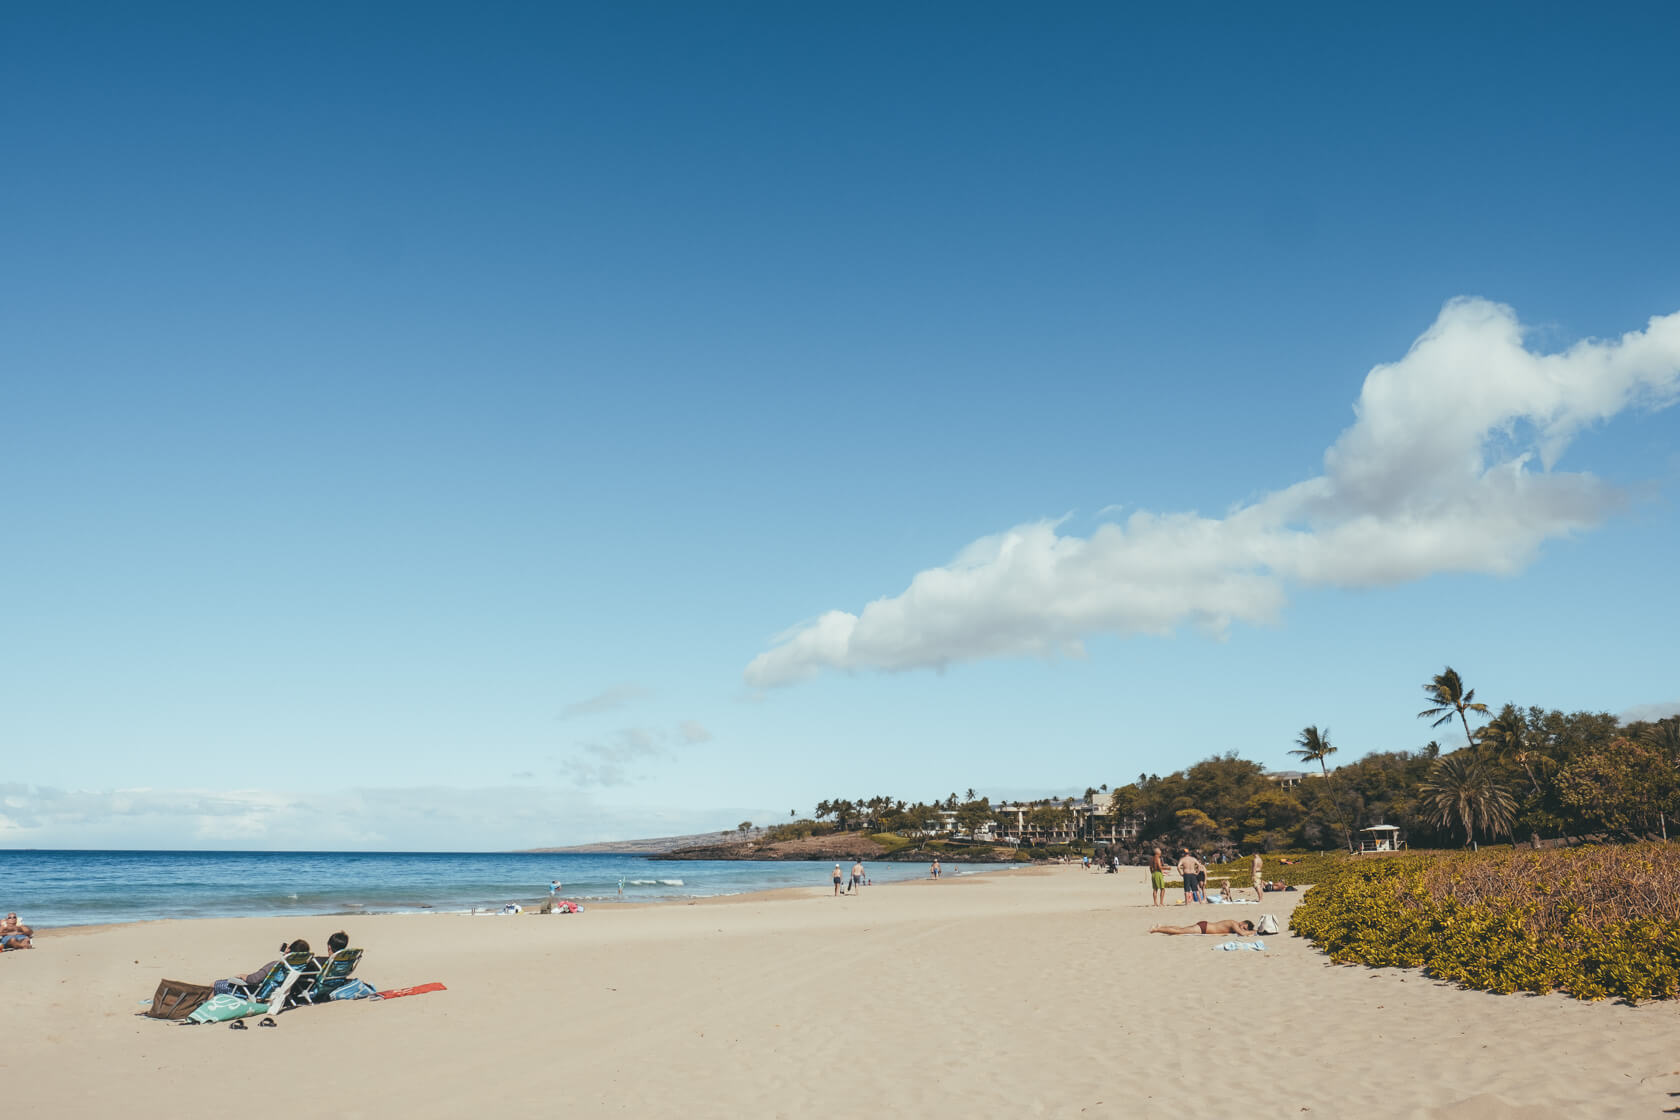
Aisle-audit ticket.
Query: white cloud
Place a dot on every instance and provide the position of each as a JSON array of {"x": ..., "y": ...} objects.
[
  {"x": 608, "y": 699},
  {"x": 407, "y": 819},
  {"x": 1447, "y": 467},
  {"x": 618, "y": 760}
]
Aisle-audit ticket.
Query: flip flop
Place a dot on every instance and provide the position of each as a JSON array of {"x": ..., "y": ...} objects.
[
  {"x": 267, "y": 1021},
  {"x": 238, "y": 1025}
]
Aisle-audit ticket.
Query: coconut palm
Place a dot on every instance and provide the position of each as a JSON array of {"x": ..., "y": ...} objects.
[
  {"x": 1449, "y": 697},
  {"x": 1313, "y": 745},
  {"x": 1506, "y": 736},
  {"x": 1665, "y": 736},
  {"x": 1461, "y": 789}
]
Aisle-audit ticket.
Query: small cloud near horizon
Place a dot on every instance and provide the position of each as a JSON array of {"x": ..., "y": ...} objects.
[
  {"x": 615, "y": 761},
  {"x": 1650, "y": 713},
  {"x": 427, "y": 818},
  {"x": 608, "y": 699}
]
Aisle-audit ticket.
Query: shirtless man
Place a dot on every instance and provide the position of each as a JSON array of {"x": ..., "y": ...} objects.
[
  {"x": 837, "y": 880},
  {"x": 1157, "y": 880},
  {"x": 857, "y": 876},
  {"x": 1255, "y": 866},
  {"x": 15, "y": 935},
  {"x": 1228, "y": 928},
  {"x": 1187, "y": 865}
]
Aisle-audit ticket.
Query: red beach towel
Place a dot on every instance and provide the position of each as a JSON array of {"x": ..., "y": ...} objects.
[{"x": 418, "y": 989}]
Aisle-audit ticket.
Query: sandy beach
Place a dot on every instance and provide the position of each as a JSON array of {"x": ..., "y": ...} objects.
[{"x": 1022, "y": 993}]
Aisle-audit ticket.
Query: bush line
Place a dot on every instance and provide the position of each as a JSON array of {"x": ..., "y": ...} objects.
[{"x": 1595, "y": 923}]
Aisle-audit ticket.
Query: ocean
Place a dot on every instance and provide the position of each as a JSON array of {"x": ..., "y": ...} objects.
[{"x": 68, "y": 888}]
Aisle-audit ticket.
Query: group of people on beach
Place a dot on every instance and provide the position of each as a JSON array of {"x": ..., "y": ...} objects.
[
  {"x": 14, "y": 934},
  {"x": 1194, "y": 873}
]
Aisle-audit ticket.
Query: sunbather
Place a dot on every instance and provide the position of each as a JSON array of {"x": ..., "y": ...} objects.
[
  {"x": 1228, "y": 928},
  {"x": 14, "y": 934}
]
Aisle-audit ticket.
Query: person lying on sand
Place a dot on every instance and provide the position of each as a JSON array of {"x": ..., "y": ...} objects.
[
  {"x": 14, "y": 934},
  {"x": 1229, "y": 928}
]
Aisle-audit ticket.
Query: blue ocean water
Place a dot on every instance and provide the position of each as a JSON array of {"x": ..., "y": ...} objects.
[{"x": 63, "y": 888}]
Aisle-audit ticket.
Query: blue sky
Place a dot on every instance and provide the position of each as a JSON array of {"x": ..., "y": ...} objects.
[{"x": 427, "y": 426}]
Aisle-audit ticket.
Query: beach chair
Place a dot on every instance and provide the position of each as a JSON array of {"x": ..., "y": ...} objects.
[
  {"x": 271, "y": 980},
  {"x": 334, "y": 974}
]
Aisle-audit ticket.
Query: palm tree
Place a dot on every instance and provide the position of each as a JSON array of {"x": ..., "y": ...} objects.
[
  {"x": 1507, "y": 736},
  {"x": 1448, "y": 695},
  {"x": 1461, "y": 789},
  {"x": 1313, "y": 745},
  {"x": 1665, "y": 736}
]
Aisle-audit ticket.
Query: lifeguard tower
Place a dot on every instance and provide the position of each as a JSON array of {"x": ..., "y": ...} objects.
[{"x": 1380, "y": 838}]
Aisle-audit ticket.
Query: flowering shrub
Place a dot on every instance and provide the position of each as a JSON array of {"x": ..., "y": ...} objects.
[{"x": 1593, "y": 922}]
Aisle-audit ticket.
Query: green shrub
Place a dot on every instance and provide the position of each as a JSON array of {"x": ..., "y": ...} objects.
[
  {"x": 889, "y": 842},
  {"x": 1595, "y": 923}
]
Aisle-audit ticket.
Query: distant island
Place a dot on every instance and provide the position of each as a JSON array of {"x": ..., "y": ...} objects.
[{"x": 656, "y": 845}]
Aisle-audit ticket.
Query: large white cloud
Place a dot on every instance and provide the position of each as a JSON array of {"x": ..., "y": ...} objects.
[{"x": 1447, "y": 467}]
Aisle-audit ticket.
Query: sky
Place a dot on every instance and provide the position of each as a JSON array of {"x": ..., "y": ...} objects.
[{"x": 472, "y": 427}]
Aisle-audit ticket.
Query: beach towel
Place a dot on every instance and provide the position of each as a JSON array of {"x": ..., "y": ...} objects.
[
  {"x": 355, "y": 989},
  {"x": 221, "y": 1008},
  {"x": 418, "y": 989},
  {"x": 1234, "y": 946}
]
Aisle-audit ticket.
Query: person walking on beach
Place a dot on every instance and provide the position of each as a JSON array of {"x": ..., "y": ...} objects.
[
  {"x": 837, "y": 880},
  {"x": 857, "y": 876},
  {"x": 1157, "y": 880},
  {"x": 1187, "y": 864},
  {"x": 933, "y": 871},
  {"x": 1256, "y": 866}
]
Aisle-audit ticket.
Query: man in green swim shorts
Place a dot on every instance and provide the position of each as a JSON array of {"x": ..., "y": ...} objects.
[{"x": 1157, "y": 879}]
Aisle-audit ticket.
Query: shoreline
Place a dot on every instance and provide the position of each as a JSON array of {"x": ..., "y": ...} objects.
[
  {"x": 530, "y": 911},
  {"x": 939, "y": 997}
]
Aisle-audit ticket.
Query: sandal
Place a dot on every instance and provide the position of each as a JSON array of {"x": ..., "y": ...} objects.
[
  {"x": 238, "y": 1025},
  {"x": 267, "y": 1021}
]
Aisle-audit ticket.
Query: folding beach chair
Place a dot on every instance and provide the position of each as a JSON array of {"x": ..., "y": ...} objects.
[
  {"x": 334, "y": 974},
  {"x": 270, "y": 981}
]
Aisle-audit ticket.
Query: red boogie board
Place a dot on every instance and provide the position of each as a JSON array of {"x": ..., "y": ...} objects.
[{"x": 418, "y": 989}]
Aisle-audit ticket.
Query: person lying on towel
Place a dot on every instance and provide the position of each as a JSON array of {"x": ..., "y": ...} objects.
[{"x": 1226, "y": 928}]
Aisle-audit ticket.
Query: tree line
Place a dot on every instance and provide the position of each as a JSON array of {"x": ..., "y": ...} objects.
[{"x": 1522, "y": 773}]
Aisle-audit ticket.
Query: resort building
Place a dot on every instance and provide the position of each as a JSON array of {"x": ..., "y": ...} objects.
[{"x": 1068, "y": 821}]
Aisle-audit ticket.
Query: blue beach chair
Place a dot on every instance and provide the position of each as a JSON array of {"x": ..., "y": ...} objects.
[{"x": 334, "y": 974}]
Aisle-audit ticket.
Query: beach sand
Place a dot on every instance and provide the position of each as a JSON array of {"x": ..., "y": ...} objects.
[{"x": 1015, "y": 994}]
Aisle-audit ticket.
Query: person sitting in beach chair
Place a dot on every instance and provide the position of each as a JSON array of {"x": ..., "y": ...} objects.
[
  {"x": 263, "y": 983},
  {"x": 14, "y": 934},
  {"x": 334, "y": 974},
  {"x": 1228, "y": 928}
]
